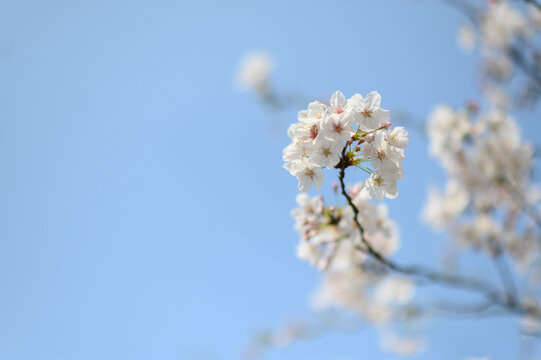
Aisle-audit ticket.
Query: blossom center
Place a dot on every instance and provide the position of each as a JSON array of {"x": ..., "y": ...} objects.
[
  {"x": 338, "y": 127},
  {"x": 366, "y": 113},
  {"x": 326, "y": 152},
  {"x": 378, "y": 181},
  {"x": 314, "y": 131}
]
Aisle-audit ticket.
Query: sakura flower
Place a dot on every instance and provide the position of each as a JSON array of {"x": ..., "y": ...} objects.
[
  {"x": 338, "y": 128},
  {"x": 326, "y": 152},
  {"x": 307, "y": 173},
  {"x": 308, "y": 131},
  {"x": 382, "y": 155},
  {"x": 381, "y": 184},
  {"x": 369, "y": 114},
  {"x": 316, "y": 112},
  {"x": 338, "y": 103},
  {"x": 295, "y": 151},
  {"x": 398, "y": 137}
]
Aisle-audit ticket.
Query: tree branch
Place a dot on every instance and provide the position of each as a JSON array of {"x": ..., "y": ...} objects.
[{"x": 457, "y": 281}]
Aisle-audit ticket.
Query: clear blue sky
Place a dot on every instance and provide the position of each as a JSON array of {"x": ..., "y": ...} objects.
[{"x": 144, "y": 213}]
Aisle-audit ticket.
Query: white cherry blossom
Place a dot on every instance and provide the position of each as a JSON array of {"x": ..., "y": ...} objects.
[
  {"x": 381, "y": 184},
  {"x": 307, "y": 173},
  {"x": 398, "y": 137},
  {"x": 369, "y": 114}
]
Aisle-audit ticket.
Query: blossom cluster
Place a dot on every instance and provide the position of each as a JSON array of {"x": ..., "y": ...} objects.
[
  {"x": 505, "y": 36},
  {"x": 347, "y": 132},
  {"x": 331, "y": 241},
  {"x": 488, "y": 201},
  {"x": 350, "y": 132}
]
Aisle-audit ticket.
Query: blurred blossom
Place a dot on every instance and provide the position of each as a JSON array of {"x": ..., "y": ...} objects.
[
  {"x": 443, "y": 207},
  {"x": 395, "y": 290},
  {"x": 488, "y": 165},
  {"x": 499, "y": 67},
  {"x": 402, "y": 345},
  {"x": 446, "y": 130},
  {"x": 501, "y": 25},
  {"x": 530, "y": 325},
  {"x": 497, "y": 97},
  {"x": 467, "y": 38},
  {"x": 254, "y": 71}
]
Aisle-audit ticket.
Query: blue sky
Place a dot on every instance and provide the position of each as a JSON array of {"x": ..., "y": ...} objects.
[{"x": 144, "y": 213}]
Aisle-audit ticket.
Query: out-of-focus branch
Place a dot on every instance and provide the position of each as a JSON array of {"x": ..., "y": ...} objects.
[
  {"x": 307, "y": 331},
  {"x": 461, "y": 309},
  {"x": 534, "y": 4},
  {"x": 507, "y": 278},
  {"x": 529, "y": 68}
]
